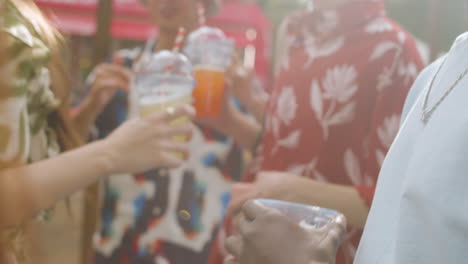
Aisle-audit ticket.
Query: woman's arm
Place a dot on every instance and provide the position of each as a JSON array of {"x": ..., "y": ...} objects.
[
  {"x": 242, "y": 128},
  {"x": 233, "y": 123},
  {"x": 31, "y": 188},
  {"x": 138, "y": 145},
  {"x": 256, "y": 106}
]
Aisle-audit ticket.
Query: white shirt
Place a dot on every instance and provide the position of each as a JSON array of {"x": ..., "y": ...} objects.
[{"x": 420, "y": 210}]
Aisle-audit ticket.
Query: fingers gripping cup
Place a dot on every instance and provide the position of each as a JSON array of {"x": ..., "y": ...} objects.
[
  {"x": 164, "y": 81},
  {"x": 210, "y": 51},
  {"x": 304, "y": 215}
]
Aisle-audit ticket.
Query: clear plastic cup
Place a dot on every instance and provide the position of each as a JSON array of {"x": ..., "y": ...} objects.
[
  {"x": 304, "y": 215},
  {"x": 210, "y": 51},
  {"x": 164, "y": 80}
]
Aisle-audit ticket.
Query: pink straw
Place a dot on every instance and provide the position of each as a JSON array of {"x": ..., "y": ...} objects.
[
  {"x": 177, "y": 45},
  {"x": 201, "y": 15},
  {"x": 179, "y": 39}
]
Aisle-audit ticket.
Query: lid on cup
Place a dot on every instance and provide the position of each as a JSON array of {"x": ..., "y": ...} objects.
[
  {"x": 209, "y": 46},
  {"x": 167, "y": 63},
  {"x": 166, "y": 75},
  {"x": 206, "y": 34}
]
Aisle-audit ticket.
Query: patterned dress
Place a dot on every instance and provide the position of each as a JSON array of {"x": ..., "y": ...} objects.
[
  {"x": 335, "y": 109},
  {"x": 165, "y": 216},
  {"x": 25, "y": 135}
]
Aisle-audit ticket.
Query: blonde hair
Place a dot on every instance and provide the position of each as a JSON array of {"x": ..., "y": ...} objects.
[
  {"x": 60, "y": 120},
  {"x": 4, "y": 84}
]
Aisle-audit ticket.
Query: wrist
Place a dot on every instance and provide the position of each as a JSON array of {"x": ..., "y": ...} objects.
[
  {"x": 251, "y": 101},
  {"x": 256, "y": 105},
  {"x": 230, "y": 125},
  {"x": 244, "y": 129},
  {"x": 90, "y": 108},
  {"x": 106, "y": 158}
]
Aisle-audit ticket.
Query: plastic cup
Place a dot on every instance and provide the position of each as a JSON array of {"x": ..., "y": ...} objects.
[
  {"x": 304, "y": 215},
  {"x": 210, "y": 51},
  {"x": 164, "y": 80}
]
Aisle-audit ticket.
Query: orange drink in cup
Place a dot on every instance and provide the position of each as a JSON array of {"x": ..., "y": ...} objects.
[
  {"x": 209, "y": 91},
  {"x": 210, "y": 52}
]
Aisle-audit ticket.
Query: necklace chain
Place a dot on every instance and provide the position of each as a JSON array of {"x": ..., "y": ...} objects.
[{"x": 427, "y": 113}]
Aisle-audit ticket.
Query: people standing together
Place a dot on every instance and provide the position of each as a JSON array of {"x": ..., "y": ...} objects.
[{"x": 331, "y": 134}]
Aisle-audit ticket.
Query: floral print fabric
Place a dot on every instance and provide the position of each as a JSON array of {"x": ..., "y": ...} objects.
[{"x": 338, "y": 96}]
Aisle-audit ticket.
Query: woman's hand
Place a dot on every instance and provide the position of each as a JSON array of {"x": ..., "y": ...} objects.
[
  {"x": 146, "y": 143},
  {"x": 267, "y": 236},
  {"x": 105, "y": 80},
  {"x": 241, "y": 80}
]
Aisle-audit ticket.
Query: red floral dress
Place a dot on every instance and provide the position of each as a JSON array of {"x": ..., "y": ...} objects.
[{"x": 335, "y": 109}]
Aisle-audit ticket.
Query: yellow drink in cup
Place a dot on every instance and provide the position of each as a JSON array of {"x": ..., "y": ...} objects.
[
  {"x": 165, "y": 81},
  {"x": 148, "y": 107}
]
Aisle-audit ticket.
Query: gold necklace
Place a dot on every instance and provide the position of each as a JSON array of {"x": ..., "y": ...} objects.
[{"x": 427, "y": 113}]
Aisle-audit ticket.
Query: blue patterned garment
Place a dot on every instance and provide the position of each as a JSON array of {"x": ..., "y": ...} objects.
[{"x": 166, "y": 216}]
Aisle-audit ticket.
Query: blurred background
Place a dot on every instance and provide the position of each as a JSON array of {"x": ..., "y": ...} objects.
[
  {"x": 252, "y": 23},
  {"x": 96, "y": 28}
]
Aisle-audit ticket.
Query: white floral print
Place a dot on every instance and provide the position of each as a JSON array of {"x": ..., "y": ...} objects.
[
  {"x": 308, "y": 169},
  {"x": 283, "y": 115},
  {"x": 379, "y": 25},
  {"x": 352, "y": 167},
  {"x": 385, "y": 78},
  {"x": 315, "y": 50},
  {"x": 388, "y": 130},
  {"x": 287, "y": 105},
  {"x": 340, "y": 83},
  {"x": 386, "y": 133},
  {"x": 409, "y": 71},
  {"x": 284, "y": 43},
  {"x": 339, "y": 86},
  {"x": 383, "y": 48},
  {"x": 291, "y": 141},
  {"x": 329, "y": 21}
]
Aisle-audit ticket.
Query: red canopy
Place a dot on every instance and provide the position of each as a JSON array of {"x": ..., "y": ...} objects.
[
  {"x": 78, "y": 17},
  {"x": 244, "y": 22}
]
